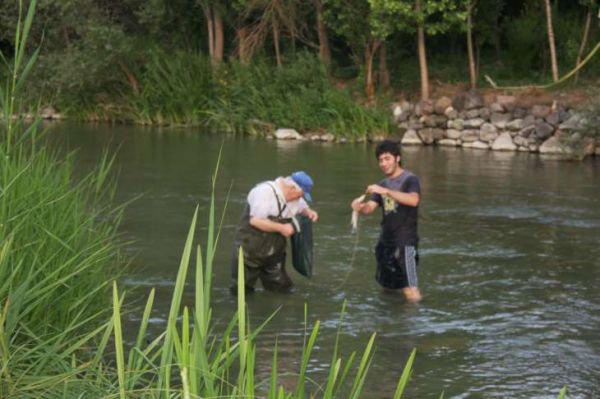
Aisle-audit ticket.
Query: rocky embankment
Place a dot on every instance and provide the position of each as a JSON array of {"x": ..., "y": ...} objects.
[{"x": 503, "y": 125}]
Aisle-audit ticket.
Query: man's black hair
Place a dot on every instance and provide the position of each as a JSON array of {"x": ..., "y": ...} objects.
[{"x": 387, "y": 146}]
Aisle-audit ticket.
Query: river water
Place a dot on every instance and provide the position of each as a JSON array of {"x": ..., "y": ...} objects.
[{"x": 510, "y": 267}]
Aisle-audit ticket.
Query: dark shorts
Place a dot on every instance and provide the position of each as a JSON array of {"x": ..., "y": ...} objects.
[{"x": 396, "y": 266}]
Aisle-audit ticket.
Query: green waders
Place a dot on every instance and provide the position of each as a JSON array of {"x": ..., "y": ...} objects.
[{"x": 264, "y": 254}]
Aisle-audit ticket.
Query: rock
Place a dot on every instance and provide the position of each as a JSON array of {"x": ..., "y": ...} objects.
[
  {"x": 440, "y": 120},
  {"x": 428, "y": 120},
  {"x": 485, "y": 113},
  {"x": 329, "y": 137},
  {"x": 448, "y": 142},
  {"x": 520, "y": 141},
  {"x": 515, "y": 124},
  {"x": 472, "y": 113},
  {"x": 533, "y": 148},
  {"x": 505, "y": 100},
  {"x": 504, "y": 143},
  {"x": 287, "y": 134},
  {"x": 473, "y": 123},
  {"x": 553, "y": 119},
  {"x": 468, "y": 136},
  {"x": 414, "y": 124},
  {"x": 543, "y": 130},
  {"x": 429, "y": 135},
  {"x": 526, "y": 132},
  {"x": 500, "y": 119},
  {"x": 453, "y": 134},
  {"x": 487, "y": 132},
  {"x": 496, "y": 107},
  {"x": 426, "y": 107},
  {"x": 457, "y": 124},
  {"x": 411, "y": 138},
  {"x": 442, "y": 104},
  {"x": 402, "y": 117},
  {"x": 343, "y": 140},
  {"x": 451, "y": 113},
  {"x": 540, "y": 111},
  {"x": 48, "y": 112},
  {"x": 574, "y": 123},
  {"x": 553, "y": 146},
  {"x": 522, "y": 149},
  {"x": 563, "y": 115},
  {"x": 529, "y": 120},
  {"x": 477, "y": 145},
  {"x": 519, "y": 113},
  {"x": 468, "y": 100}
]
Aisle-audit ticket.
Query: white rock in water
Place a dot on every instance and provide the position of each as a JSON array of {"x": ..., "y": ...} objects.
[
  {"x": 287, "y": 134},
  {"x": 448, "y": 142},
  {"x": 479, "y": 145},
  {"x": 553, "y": 146},
  {"x": 504, "y": 142},
  {"x": 411, "y": 138}
]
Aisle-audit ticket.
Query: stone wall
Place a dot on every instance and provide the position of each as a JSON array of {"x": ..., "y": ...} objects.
[{"x": 503, "y": 125}]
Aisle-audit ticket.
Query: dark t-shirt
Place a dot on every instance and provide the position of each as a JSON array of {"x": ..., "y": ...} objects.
[{"x": 399, "y": 224}]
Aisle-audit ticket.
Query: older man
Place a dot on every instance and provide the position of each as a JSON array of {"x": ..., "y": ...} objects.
[{"x": 264, "y": 227}]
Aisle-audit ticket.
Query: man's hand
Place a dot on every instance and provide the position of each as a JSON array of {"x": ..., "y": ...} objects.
[
  {"x": 377, "y": 189},
  {"x": 312, "y": 215},
  {"x": 286, "y": 229}
]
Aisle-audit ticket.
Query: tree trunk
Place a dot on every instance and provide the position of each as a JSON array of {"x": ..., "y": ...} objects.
[
  {"x": 472, "y": 69},
  {"x": 324, "y": 50},
  {"x": 219, "y": 45},
  {"x": 384, "y": 73},
  {"x": 586, "y": 31},
  {"x": 276, "y": 43},
  {"x": 135, "y": 85},
  {"x": 211, "y": 31},
  {"x": 551, "y": 41},
  {"x": 370, "y": 51},
  {"x": 422, "y": 56}
]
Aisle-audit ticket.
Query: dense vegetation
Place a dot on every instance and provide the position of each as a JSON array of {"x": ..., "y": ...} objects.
[{"x": 247, "y": 65}]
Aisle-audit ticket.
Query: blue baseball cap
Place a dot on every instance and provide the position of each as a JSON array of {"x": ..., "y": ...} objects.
[{"x": 305, "y": 182}]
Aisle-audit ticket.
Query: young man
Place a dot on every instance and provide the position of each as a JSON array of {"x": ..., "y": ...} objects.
[
  {"x": 264, "y": 227},
  {"x": 398, "y": 195}
]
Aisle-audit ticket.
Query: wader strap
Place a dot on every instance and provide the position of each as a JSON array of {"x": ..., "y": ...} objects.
[{"x": 278, "y": 202}]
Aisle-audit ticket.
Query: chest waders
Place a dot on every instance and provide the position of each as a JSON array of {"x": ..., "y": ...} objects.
[{"x": 264, "y": 253}]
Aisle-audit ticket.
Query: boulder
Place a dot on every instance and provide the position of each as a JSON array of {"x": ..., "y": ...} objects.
[
  {"x": 426, "y": 107},
  {"x": 496, "y": 107},
  {"x": 500, "y": 119},
  {"x": 543, "y": 130},
  {"x": 453, "y": 134},
  {"x": 440, "y": 120},
  {"x": 448, "y": 142},
  {"x": 529, "y": 120},
  {"x": 451, "y": 113},
  {"x": 488, "y": 132},
  {"x": 287, "y": 134},
  {"x": 525, "y": 132},
  {"x": 477, "y": 145},
  {"x": 48, "y": 112},
  {"x": 553, "y": 119},
  {"x": 485, "y": 113},
  {"x": 473, "y": 123},
  {"x": 520, "y": 141},
  {"x": 505, "y": 100},
  {"x": 553, "y": 146},
  {"x": 457, "y": 124},
  {"x": 411, "y": 138},
  {"x": 441, "y": 105},
  {"x": 574, "y": 123},
  {"x": 468, "y": 136},
  {"x": 522, "y": 149},
  {"x": 540, "y": 111},
  {"x": 468, "y": 100},
  {"x": 428, "y": 120},
  {"x": 430, "y": 135},
  {"x": 504, "y": 143},
  {"x": 328, "y": 137},
  {"x": 515, "y": 124},
  {"x": 472, "y": 113},
  {"x": 519, "y": 113},
  {"x": 414, "y": 124}
]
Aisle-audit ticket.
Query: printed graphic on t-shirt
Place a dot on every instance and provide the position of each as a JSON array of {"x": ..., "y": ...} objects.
[{"x": 389, "y": 205}]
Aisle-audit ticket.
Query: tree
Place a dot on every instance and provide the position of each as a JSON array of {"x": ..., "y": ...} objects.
[
  {"x": 213, "y": 14},
  {"x": 590, "y": 4},
  {"x": 551, "y": 43},
  {"x": 354, "y": 21},
  {"x": 470, "y": 51},
  {"x": 423, "y": 17}
]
